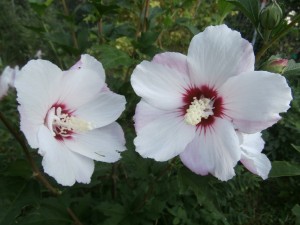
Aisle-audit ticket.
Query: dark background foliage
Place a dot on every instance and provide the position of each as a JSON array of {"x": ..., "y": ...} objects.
[{"x": 121, "y": 33}]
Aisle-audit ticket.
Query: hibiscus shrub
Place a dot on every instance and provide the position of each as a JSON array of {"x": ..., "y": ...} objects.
[{"x": 205, "y": 136}]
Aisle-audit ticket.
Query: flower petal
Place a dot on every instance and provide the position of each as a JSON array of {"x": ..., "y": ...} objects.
[
  {"x": 102, "y": 144},
  {"x": 89, "y": 62},
  {"x": 252, "y": 158},
  {"x": 173, "y": 60},
  {"x": 254, "y": 100},
  {"x": 80, "y": 87},
  {"x": 145, "y": 114},
  {"x": 164, "y": 137},
  {"x": 217, "y": 54},
  {"x": 37, "y": 90},
  {"x": 214, "y": 150},
  {"x": 159, "y": 85},
  {"x": 103, "y": 110},
  {"x": 59, "y": 162},
  {"x": 7, "y": 79}
]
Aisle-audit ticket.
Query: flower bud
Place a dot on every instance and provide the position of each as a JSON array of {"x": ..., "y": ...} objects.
[
  {"x": 270, "y": 16},
  {"x": 275, "y": 65}
]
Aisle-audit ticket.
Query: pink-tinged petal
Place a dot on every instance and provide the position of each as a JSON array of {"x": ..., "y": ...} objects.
[
  {"x": 59, "y": 162},
  {"x": 173, "y": 60},
  {"x": 6, "y": 80},
  {"x": 37, "y": 90},
  {"x": 89, "y": 62},
  {"x": 102, "y": 144},
  {"x": 103, "y": 110},
  {"x": 254, "y": 100},
  {"x": 145, "y": 114},
  {"x": 159, "y": 85},
  {"x": 252, "y": 158},
  {"x": 214, "y": 150},
  {"x": 217, "y": 54},
  {"x": 79, "y": 87},
  {"x": 164, "y": 138}
]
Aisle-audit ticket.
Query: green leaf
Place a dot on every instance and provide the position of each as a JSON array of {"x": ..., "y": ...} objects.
[
  {"x": 293, "y": 69},
  {"x": 296, "y": 212},
  {"x": 19, "y": 168},
  {"x": 296, "y": 147},
  {"x": 51, "y": 211},
  {"x": 283, "y": 168},
  {"x": 112, "y": 57},
  {"x": 250, "y": 8},
  {"x": 199, "y": 185},
  {"x": 224, "y": 8},
  {"x": 27, "y": 194}
]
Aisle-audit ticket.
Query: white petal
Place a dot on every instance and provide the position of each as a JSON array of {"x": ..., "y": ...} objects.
[
  {"x": 145, "y": 114},
  {"x": 252, "y": 158},
  {"x": 102, "y": 144},
  {"x": 6, "y": 79},
  {"x": 217, "y": 54},
  {"x": 214, "y": 150},
  {"x": 253, "y": 142},
  {"x": 79, "y": 87},
  {"x": 173, "y": 60},
  {"x": 164, "y": 137},
  {"x": 103, "y": 110},
  {"x": 159, "y": 85},
  {"x": 37, "y": 89},
  {"x": 254, "y": 100},
  {"x": 89, "y": 62},
  {"x": 59, "y": 162}
]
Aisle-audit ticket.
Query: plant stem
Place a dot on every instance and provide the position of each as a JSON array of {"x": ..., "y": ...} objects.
[
  {"x": 146, "y": 15},
  {"x": 276, "y": 38},
  {"x": 36, "y": 173},
  {"x": 74, "y": 217},
  {"x": 66, "y": 10}
]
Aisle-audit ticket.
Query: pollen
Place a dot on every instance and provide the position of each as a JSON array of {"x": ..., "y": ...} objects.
[
  {"x": 199, "y": 109},
  {"x": 63, "y": 124}
]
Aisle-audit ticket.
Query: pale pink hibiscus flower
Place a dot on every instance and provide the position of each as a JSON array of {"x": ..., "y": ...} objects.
[
  {"x": 194, "y": 105},
  {"x": 70, "y": 117},
  {"x": 7, "y": 79}
]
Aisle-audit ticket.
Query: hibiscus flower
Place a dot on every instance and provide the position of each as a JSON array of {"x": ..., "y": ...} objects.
[
  {"x": 7, "y": 79},
  {"x": 194, "y": 105},
  {"x": 70, "y": 117}
]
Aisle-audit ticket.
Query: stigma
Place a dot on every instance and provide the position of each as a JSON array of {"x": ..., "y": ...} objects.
[
  {"x": 63, "y": 124},
  {"x": 199, "y": 109}
]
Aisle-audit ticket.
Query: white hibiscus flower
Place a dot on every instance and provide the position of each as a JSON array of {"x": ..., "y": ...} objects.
[
  {"x": 252, "y": 158},
  {"x": 7, "y": 79},
  {"x": 70, "y": 116},
  {"x": 192, "y": 105}
]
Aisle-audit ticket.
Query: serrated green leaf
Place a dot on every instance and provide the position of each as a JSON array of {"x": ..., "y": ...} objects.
[
  {"x": 283, "y": 168},
  {"x": 50, "y": 211},
  {"x": 224, "y": 9},
  {"x": 19, "y": 168},
  {"x": 27, "y": 194},
  {"x": 199, "y": 185},
  {"x": 250, "y": 8},
  {"x": 112, "y": 57},
  {"x": 293, "y": 69}
]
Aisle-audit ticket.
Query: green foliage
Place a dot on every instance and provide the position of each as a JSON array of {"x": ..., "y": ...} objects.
[{"x": 122, "y": 33}]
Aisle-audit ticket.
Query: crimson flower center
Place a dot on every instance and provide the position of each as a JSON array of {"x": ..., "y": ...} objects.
[
  {"x": 63, "y": 124},
  {"x": 201, "y": 106},
  {"x": 198, "y": 109}
]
